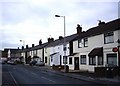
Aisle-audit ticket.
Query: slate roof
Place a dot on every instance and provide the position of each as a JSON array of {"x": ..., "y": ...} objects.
[
  {"x": 54, "y": 43},
  {"x": 101, "y": 29},
  {"x": 11, "y": 50},
  {"x": 61, "y": 41},
  {"x": 35, "y": 47}
]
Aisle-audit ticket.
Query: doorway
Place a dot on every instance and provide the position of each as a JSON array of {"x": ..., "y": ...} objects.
[{"x": 76, "y": 63}]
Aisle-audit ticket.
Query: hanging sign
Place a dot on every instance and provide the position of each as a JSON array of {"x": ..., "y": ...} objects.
[{"x": 115, "y": 49}]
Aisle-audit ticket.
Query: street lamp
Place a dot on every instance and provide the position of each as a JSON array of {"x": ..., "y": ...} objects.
[
  {"x": 23, "y": 42},
  {"x": 64, "y": 48}
]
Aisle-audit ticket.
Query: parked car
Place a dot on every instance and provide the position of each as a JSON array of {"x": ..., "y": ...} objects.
[
  {"x": 2, "y": 62},
  {"x": 32, "y": 62},
  {"x": 11, "y": 62},
  {"x": 41, "y": 63}
]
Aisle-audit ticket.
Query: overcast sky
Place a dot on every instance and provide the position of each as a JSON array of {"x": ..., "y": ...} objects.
[{"x": 32, "y": 20}]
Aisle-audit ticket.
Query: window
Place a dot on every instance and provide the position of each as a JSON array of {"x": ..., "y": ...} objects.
[
  {"x": 100, "y": 60},
  {"x": 109, "y": 37},
  {"x": 112, "y": 59},
  {"x": 45, "y": 50},
  {"x": 64, "y": 59},
  {"x": 83, "y": 59},
  {"x": 51, "y": 58},
  {"x": 35, "y": 52},
  {"x": 45, "y": 59},
  {"x": 92, "y": 60},
  {"x": 80, "y": 43},
  {"x": 85, "y": 42},
  {"x": 70, "y": 60}
]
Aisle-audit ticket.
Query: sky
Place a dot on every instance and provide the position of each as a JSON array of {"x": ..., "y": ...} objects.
[{"x": 32, "y": 20}]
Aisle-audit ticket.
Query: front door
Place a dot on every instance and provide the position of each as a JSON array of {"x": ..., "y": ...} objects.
[{"x": 76, "y": 63}]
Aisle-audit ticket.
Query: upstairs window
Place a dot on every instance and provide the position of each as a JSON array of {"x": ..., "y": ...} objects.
[
  {"x": 109, "y": 37},
  {"x": 80, "y": 43},
  {"x": 85, "y": 42}
]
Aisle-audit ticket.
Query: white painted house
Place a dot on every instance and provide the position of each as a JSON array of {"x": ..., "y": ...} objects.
[
  {"x": 94, "y": 48},
  {"x": 55, "y": 50},
  {"x": 37, "y": 52}
]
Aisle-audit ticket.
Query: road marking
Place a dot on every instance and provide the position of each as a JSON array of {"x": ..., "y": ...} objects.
[
  {"x": 25, "y": 70},
  {"x": 13, "y": 78},
  {"x": 44, "y": 72},
  {"x": 33, "y": 73},
  {"x": 90, "y": 78},
  {"x": 48, "y": 79}
]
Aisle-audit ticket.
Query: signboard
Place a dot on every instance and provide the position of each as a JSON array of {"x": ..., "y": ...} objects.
[{"x": 115, "y": 49}]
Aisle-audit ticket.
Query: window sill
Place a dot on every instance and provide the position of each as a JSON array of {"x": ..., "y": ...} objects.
[{"x": 109, "y": 43}]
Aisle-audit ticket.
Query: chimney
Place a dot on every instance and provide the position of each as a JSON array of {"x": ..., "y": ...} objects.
[
  {"x": 22, "y": 47},
  {"x": 50, "y": 40},
  {"x": 100, "y": 23},
  {"x": 26, "y": 46},
  {"x": 40, "y": 42},
  {"x": 60, "y": 37},
  {"x": 32, "y": 45},
  {"x": 79, "y": 29}
]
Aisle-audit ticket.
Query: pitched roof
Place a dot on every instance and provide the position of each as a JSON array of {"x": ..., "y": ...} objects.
[
  {"x": 11, "y": 50},
  {"x": 35, "y": 47},
  {"x": 101, "y": 29},
  {"x": 61, "y": 41}
]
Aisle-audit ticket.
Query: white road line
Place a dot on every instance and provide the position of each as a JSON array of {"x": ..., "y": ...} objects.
[
  {"x": 43, "y": 72},
  {"x": 25, "y": 70},
  {"x": 33, "y": 73},
  {"x": 13, "y": 78},
  {"x": 48, "y": 79}
]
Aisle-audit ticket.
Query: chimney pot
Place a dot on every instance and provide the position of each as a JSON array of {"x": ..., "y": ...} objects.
[
  {"x": 32, "y": 45},
  {"x": 26, "y": 46},
  {"x": 50, "y": 40},
  {"x": 40, "y": 42},
  {"x": 79, "y": 29},
  {"x": 60, "y": 37},
  {"x": 101, "y": 22},
  {"x": 22, "y": 47}
]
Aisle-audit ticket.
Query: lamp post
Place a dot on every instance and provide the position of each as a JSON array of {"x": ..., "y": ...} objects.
[
  {"x": 23, "y": 41},
  {"x": 64, "y": 44}
]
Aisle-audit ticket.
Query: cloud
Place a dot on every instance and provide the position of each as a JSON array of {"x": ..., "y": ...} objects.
[{"x": 32, "y": 20}]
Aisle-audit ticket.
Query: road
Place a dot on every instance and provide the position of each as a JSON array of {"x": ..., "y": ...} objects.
[{"x": 17, "y": 75}]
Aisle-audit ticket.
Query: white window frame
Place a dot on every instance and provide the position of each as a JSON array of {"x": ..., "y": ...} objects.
[{"x": 109, "y": 37}]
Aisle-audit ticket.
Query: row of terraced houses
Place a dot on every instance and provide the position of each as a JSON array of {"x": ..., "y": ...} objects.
[{"x": 97, "y": 47}]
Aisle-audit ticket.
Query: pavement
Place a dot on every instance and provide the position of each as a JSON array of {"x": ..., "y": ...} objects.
[{"x": 85, "y": 77}]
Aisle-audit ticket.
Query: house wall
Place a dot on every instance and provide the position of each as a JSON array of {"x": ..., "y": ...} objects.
[
  {"x": 62, "y": 52},
  {"x": 23, "y": 54},
  {"x": 94, "y": 42},
  {"x": 31, "y": 54},
  {"x": 40, "y": 54},
  {"x": 59, "y": 50},
  {"x": 47, "y": 54},
  {"x": 54, "y": 59}
]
